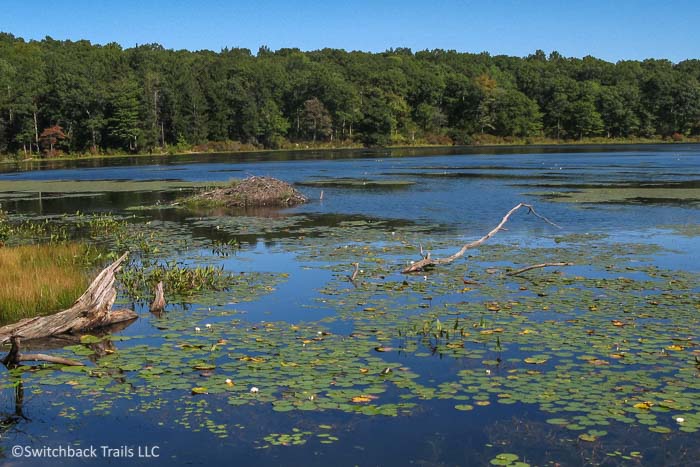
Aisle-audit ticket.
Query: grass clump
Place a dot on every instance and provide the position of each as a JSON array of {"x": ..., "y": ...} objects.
[
  {"x": 42, "y": 279},
  {"x": 138, "y": 282}
]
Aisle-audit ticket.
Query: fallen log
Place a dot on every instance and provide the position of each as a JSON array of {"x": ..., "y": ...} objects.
[
  {"x": 536, "y": 266},
  {"x": 429, "y": 261},
  {"x": 92, "y": 310}
]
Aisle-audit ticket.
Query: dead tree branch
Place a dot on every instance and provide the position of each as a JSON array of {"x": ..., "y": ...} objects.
[
  {"x": 355, "y": 272},
  {"x": 428, "y": 261}
]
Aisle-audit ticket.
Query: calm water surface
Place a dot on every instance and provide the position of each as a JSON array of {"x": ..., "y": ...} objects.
[{"x": 460, "y": 195}]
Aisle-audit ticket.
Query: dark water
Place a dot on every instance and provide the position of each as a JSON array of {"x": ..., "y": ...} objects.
[
  {"x": 458, "y": 193},
  {"x": 461, "y": 191}
]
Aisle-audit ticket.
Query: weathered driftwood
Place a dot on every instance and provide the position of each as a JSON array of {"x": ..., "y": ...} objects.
[
  {"x": 356, "y": 271},
  {"x": 92, "y": 310},
  {"x": 536, "y": 266},
  {"x": 14, "y": 357},
  {"x": 158, "y": 304},
  {"x": 429, "y": 261}
]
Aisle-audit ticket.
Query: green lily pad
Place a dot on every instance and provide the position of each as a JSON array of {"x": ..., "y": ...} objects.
[{"x": 464, "y": 407}]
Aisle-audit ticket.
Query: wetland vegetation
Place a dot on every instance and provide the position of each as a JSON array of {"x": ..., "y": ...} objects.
[
  {"x": 267, "y": 352},
  {"x": 41, "y": 279}
]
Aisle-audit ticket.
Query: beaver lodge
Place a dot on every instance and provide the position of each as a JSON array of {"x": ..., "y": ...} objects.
[{"x": 251, "y": 192}]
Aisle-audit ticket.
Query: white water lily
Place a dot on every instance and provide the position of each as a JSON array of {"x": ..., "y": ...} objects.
[
  {"x": 680, "y": 419},
  {"x": 197, "y": 329},
  {"x": 208, "y": 326},
  {"x": 254, "y": 390},
  {"x": 229, "y": 382}
]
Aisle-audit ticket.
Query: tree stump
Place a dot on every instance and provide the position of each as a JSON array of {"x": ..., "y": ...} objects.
[{"x": 158, "y": 304}]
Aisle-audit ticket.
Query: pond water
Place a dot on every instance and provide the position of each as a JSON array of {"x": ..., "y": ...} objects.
[{"x": 462, "y": 364}]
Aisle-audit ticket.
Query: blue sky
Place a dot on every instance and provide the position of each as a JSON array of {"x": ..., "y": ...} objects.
[{"x": 608, "y": 29}]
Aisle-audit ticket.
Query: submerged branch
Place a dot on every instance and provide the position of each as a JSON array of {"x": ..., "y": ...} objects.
[
  {"x": 14, "y": 357},
  {"x": 536, "y": 266}
]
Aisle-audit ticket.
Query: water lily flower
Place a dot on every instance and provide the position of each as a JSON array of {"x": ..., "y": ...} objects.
[
  {"x": 229, "y": 382},
  {"x": 680, "y": 419},
  {"x": 197, "y": 329},
  {"x": 488, "y": 372},
  {"x": 208, "y": 326},
  {"x": 254, "y": 390}
]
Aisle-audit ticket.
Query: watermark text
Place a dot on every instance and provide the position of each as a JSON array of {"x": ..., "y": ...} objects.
[{"x": 85, "y": 452}]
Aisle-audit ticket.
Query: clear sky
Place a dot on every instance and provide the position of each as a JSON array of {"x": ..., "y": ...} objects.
[{"x": 609, "y": 29}]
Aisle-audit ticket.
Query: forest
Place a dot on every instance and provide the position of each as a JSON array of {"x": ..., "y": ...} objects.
[{"x": 59, "y": 97}]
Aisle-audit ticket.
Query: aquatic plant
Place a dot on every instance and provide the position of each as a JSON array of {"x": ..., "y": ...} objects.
[
  {"x": 594, "y": 350},
  {"x": 139, "y": 282}
]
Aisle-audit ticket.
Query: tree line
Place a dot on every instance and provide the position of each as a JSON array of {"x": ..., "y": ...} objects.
[{"x": 80, "y": 97}]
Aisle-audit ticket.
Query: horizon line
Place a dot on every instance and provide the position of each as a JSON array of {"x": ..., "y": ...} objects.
[{"x": 299, "y": 49}]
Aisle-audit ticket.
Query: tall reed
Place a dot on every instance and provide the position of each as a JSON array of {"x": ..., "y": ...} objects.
[{"x": 42, "y": 279}]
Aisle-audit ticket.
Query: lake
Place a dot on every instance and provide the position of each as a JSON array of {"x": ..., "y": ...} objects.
[{"x": 292, "y": 363}]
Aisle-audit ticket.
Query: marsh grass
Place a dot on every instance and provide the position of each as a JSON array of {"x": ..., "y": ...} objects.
[{"x": 42, "y": 279}]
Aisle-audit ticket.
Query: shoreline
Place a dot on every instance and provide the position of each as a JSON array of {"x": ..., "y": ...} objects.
[{"x": 488, "y": 145}]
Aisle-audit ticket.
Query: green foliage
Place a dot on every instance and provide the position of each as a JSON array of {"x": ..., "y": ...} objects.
[
  {"x": 516, "y": 115},
  {"x": 273, "y": 126},
  {"x": 106, "y": 98},
  {"x": 376, "y": 123},
  {"x": 179, "y": 280},
  {"x": 5, "y": 228}
]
